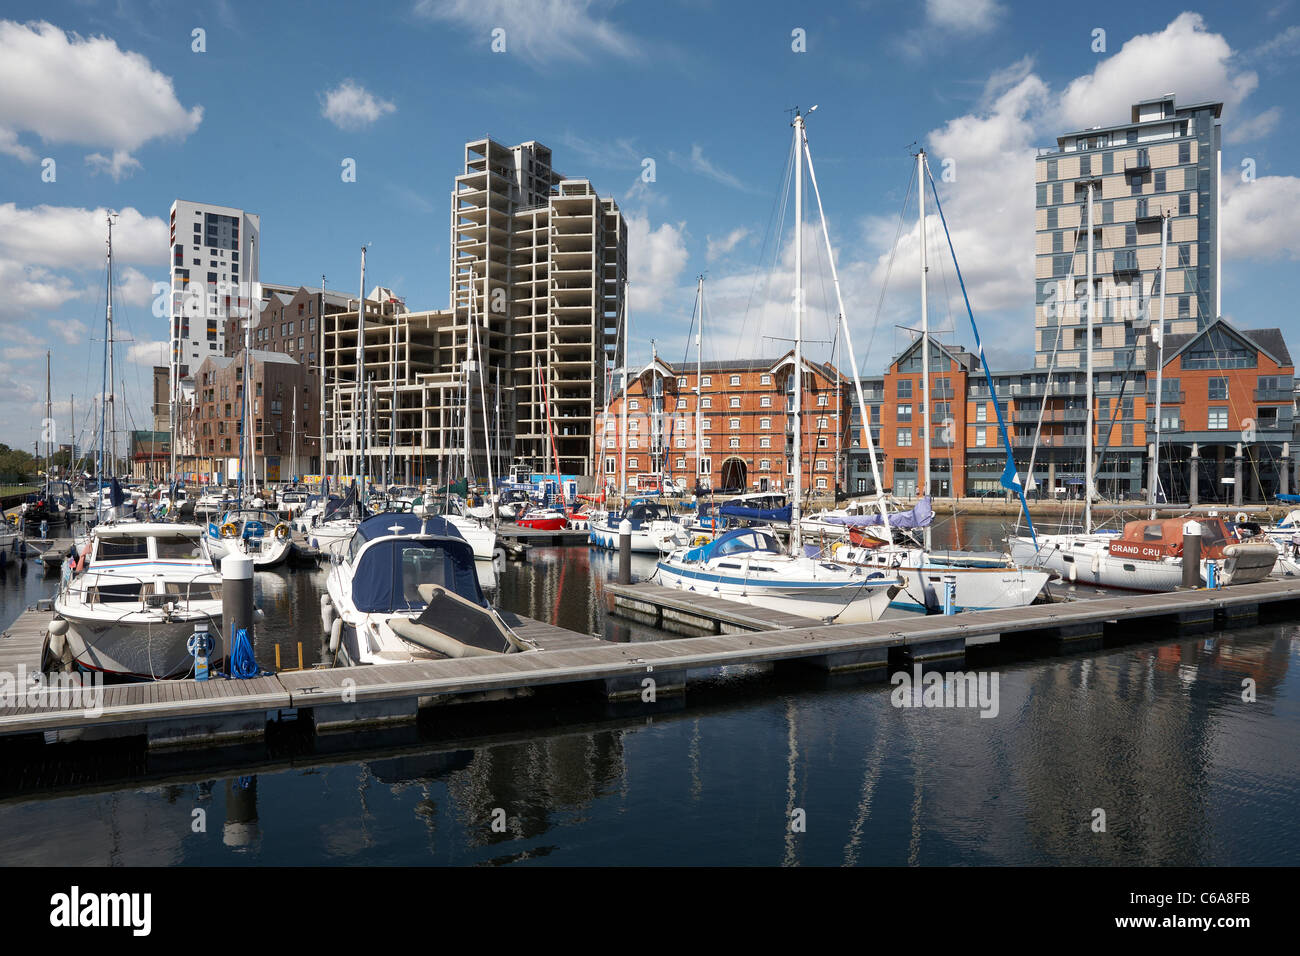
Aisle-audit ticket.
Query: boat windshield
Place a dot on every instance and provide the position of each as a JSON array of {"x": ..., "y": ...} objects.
[
  {"x": 176, "y": 548},
  {"x": 749, "y": 541},
  {"x": 122, "y": 549}
]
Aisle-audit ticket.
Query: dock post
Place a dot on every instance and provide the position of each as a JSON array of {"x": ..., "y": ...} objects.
[
  {"x": 950, "y": 594},
  {"x": 236, "y": 599},
  {"x": 1192, "y": 554},
  {"x": 625, "y": 552},
  {"x": 1193, "y": 474}
]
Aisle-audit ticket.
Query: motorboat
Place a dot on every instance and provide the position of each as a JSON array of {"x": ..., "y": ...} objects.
[
  {"x": 1147, "y": 555},
  {"x": 481, "y": 536},
  {"x": 654, "y": 528},
  {"x": 405, "y": 589},
  {"x": 258, "y": 534},
  {"x": 132, "y": 597},
  {"x": 543, "y": 519},
  {"x": 750, "y": 565}
]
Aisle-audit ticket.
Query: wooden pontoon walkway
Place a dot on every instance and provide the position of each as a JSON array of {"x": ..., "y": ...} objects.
[{"x": 189, "y": 713}]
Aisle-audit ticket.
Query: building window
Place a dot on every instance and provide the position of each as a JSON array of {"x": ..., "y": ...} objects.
[
  {"x": 706, "y": 402},
  {"x": 681, "y": 403},
  {"x": 735, "y": 401},
  {"x": 706, "y": 381},
  {"x": 681, "y": 462},
  {"x": 765, "y": 464},
  {"x": 1218, "y": 389},
  {"x": 735, "y": 380},
  {"x": 632, "y": 405},
  {"x": 707, "y": 424},
  {"x": 904, "y": 388},
  {"x": 1218, "y": 418},
  {"x": 904, "y": 437},
  {"x": 765, "y": 401},
  {"x": 981, "y": 437},
  {"x": 734, "y": 443},
  {"x": 734, "y": 423},
  {"x": 904, "y": 413},
  {"x": 681, "y": 441},
  {"x": 823, "y": 442},
  {"x": 823, "y": 400},
  {"x": 821, "y": 484},
  {"x": 681, "y": 381},
  {"x": 1184, "y": 204},
  {"x": 765, "y": 443},
  {"x": 1184, "y": 153},
  {"x": 823, "y": 422},
  {"x": 765, "y": 379},
  {"x": 632, "y": 463},
  {"x": 765, "y": 423}
]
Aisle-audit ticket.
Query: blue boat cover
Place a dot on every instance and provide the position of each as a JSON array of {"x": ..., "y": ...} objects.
[
  {"x": 919, "y": 517},
  {"x": 736, "y": 541},
  {"x": 732, "y": 510},
  {"x": 1290, "y": 498},
  {"x": 389, "y": 571}
]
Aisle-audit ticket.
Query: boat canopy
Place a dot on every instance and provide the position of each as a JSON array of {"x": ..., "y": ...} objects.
[
  {"x": 641, "y": 511},
  {"x": 389, "y": 523},
  {"x": 1154, "y": 539},
  {"x": 920, "y": 516},
  {"x": 734, "y": 542},
  {"x": 390, "y": 570},
  {"x": 734, "y": 509}
]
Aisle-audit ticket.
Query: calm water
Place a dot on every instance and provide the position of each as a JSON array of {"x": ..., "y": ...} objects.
[{"x": 1155, "y": 734}]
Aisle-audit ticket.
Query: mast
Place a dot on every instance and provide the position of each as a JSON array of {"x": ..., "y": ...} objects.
[
  {"x": 469, "y": 372},
  {"x": 49, "y": 424},
  {"x": 796, "y": 539},
  {"x": 925, "y": 342},
  {"x": 107, "y": 426},
  {"x": 1087, "y": 455},
  {"x": 358, "y": 423},
  {"x": 320, "y": 318},
  {"x": 487, "y": 435},
  {"x": 848, "y": 345},
  {"x": 1158, "y": 335},
  {"x": 699, "y": 373},
  {"x": 622, "y": 463},
  {"x": 294, "y": 442}
]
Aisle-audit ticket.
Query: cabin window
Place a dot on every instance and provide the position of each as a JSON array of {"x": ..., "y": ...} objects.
[
  {"x": 1153, "y": 532},
  {"x": 170, "y": 548},
  {"x": 1130, "y": 567},
  {"x": 116, "y": 592},
  {"x": 123, "y": 550}
]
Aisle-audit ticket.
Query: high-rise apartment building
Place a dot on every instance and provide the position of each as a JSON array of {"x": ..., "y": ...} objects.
[
  {"x": 540, "y": 262},
  {"x": 1165, "y": 159},
  {"x": 213, "y": 260}
]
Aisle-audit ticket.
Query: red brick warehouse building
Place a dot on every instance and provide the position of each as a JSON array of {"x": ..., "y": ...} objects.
[{"x": 746, "y": 432}]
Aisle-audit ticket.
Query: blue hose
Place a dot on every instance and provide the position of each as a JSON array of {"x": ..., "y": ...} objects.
[{"x": 243, "y": 664}]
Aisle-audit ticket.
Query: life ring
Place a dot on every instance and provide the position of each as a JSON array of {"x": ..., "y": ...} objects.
[
  {"x": 282, "y": 531},
  {"x": 228, "y": 530},
  {"x": 1241, "y": 518},
  {"x": 699, "y": 539}
]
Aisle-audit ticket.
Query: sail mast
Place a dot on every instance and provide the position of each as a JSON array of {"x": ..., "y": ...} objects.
[
  {"x": 699, "y": 391},
  {"x": 796, "y": 540},
  {"x": 848, "y": 344},
  {"x": 358, "y": 423},
  {"x": 320, "y": 358},
  {"x": 622, "y": 464},
  {"x": 925, "y": 341},
  {"x": 1158, "y": 335},
  {"x": 1087, "y": 455}
]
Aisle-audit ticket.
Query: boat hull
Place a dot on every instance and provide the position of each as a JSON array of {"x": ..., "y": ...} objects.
[{"x": 139, "y": 645}]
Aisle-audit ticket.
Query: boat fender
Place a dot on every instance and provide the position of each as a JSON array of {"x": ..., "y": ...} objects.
[
  {"x": 326, "y": 617},
  {"x": 282, "y": 531},
  {"x": 1074, "y": 571},
  {"x": 1096, "y": 562},
  {"x": 336, "y": 634},
  {"x": 58, "y": 629}
]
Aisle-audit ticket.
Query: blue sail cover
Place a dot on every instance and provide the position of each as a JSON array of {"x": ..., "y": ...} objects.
[
  {"x": 340, "y": 507},
  {"x": 730, "y": 510},
  {"x": 1289, "y": 498},
  {"x": 390, "y": 570},
  {"x": 919, "y": 517}
]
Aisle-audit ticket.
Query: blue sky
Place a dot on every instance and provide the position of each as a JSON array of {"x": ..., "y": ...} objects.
[{"x": 133, "y": 117}]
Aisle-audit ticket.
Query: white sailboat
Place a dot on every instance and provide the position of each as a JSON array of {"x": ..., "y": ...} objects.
[
  {"x": 1146, "y": 556},
  {"x": 749, "y": 564},
  {"x": 979, "y": 581}
]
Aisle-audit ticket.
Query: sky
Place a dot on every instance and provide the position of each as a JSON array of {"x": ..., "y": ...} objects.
[{"x": 679, "y": 109}]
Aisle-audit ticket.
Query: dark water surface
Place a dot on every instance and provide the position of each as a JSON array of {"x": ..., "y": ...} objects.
[{"x": 1155, "y": 734}]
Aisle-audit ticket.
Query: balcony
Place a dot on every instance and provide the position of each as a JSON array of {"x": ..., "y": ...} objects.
[
  {"x": 1125, "y": 262},
  {"x": 1274, "y": 395},
  {"x": 1140, "y": 164},
  {"x": 1168, "y": 398},
  {"x": 1047, "y": 441}
]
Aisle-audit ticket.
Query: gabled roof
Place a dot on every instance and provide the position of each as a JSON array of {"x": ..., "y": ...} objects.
[
  {"x": 967, "y": 360},
  {"x": 1270, "y": 342}
]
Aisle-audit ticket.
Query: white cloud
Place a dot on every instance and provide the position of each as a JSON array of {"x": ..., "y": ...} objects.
[
  {"x": 656, "y": 257},
  {"x": 85, "y": 91},
  {"x": 1253, "y": 128},
  {"x": 698, "y": 162},
  {"x": 72, "y": 331},
  {"x": 147, "y": 354},
  {"x": 30, "y": 289},
  {"x": 1259, "y": 221},
  {"x": 720, "y": 247},
  {"x": 120, "y": 164},
  {"x": 542, "y": 31},
  {"x": 1183, "y": 58},
  {"x": 964, "y": 16},
  {"x": 74, "y": 237},
  {"x": 351, "y": 106}
]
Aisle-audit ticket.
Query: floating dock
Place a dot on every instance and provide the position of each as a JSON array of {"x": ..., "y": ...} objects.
[
  {"x": 566, "y": 537},
  {"x": 187, "y": 713}
]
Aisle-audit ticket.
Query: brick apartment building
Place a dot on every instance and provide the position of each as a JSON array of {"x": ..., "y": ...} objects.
[
  {"x": 746, "y": 429},
  {"x": 281, "y": 394}
]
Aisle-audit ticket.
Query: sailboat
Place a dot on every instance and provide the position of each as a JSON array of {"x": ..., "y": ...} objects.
[
  {"x": 749, "y": 564},
  {"x": 1146, "y": 555},
  {"x": 133, "y": 592},
  {"x": 980, "y": 581}
]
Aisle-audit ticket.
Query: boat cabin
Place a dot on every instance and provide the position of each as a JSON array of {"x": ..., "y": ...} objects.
[
  {"x": 1163, "y": 537},
  {"x": 393, "y": 554},
  {"x": 641, "y": 513}
]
